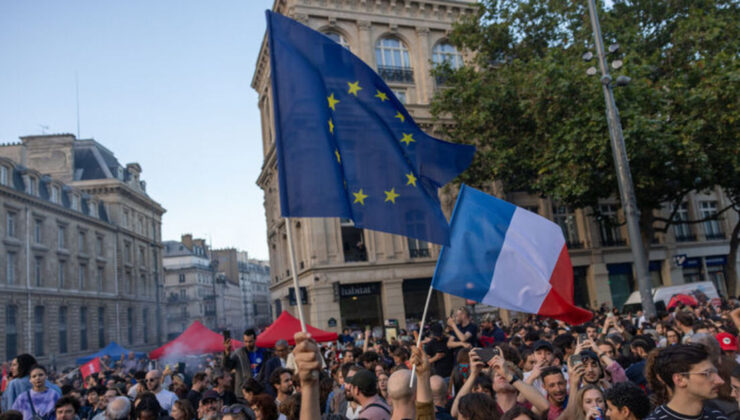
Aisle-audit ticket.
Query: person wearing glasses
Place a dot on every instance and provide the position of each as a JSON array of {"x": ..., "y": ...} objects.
[
  {"x": 691, "y": 378},
  {"x": 154, "y": 384},
  {"x": 237, "y": 412}
]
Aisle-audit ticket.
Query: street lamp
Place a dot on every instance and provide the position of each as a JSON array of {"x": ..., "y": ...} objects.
[{"x": 624, "y": 177}]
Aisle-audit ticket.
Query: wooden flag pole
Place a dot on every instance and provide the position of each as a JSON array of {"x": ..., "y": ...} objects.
[
  {"x": 294, "y": 272},
  {"x": 421, "y": 332}
]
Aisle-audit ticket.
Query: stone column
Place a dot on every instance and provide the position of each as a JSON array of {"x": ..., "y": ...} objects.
[
  {"x": 366, "y": 46},
  {"x": 392, "y": 301},
  {"x": 425, "y": 87},
  {"x": 598, "y": 284}
]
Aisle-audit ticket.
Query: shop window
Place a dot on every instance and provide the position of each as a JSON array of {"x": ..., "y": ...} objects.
[
  {"x": 580, "y": 286},
  {"x": 621, "y": 282},
  {"x": 361, "y": 305},
  {"x": 414, "y": 297}
]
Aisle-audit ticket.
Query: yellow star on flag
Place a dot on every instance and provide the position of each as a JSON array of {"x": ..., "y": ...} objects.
[
  {"x": 382, "y": 96},
  {"x": 400, "y": 116},
  {"x": 354, "y": 87},
  {"x": 360, "y": 197},
  {"x": 332, "y": 101},
  {"x": 331, "y": 126},
  {"x": 411, "y": 179},
  {"x": 407, "y": 139},
  {"x": 391, "y": 196},
  {"x": 339, "y": 157}
]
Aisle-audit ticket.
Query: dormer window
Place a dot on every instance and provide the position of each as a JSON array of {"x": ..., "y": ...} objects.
[
  {"x": 93, "y": 208},
  {"x": 4, "y": 171},
  {"x": 75, "y": 202},
  {"x": 55, "y": 194},
  {"x": 31, "y": 185}
]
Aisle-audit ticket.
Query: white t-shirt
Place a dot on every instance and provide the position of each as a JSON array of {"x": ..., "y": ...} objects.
[{"x": 166, "y": 399}]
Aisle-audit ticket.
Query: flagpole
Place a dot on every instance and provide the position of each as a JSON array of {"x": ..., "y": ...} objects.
[
  {"x": 421, "y": 332},
  {"x": 294, "y": 272}
]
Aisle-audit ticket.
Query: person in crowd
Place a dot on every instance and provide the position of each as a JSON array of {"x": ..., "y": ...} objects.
[
  {"x": 40, "y": 400},
  {"x": 364, "y": 390},
  {"x": 237, "y": 412},
  {"x": 626, "y": 401},
  {"x": 165, "y": 397},
  {"x": 341, "y": 401},
  {"x": 20, "y": 370},
  {"x": 685, "y": 323},
  {"x": 251, "y": 388},
  {"x": 510, "y": 389},
  {"x": 147, "y": 407},
  {"x": 477, "y": 406},
  {"x": 401, "y": 394},
  {"x": 118, "y": 408},
  {"x": 264, "y": 407},
  {"x": 440, "y": 355},
  {"x": 382, "y": 384},
  {"x": 222, "y": 385},
  {"x": 587, "y": 404},
  {"x": 210, "y": 406},
  {"x": 196, "y": 390},
  {"x": 519, "y": 413},
  {"x": 555, "y": 386},
  {"x": 278, "y": 361},
  {"x": 105, "y": 397},
  {"x": 182, "y": 409},
  {"x": 438, "y": 387},
  {"x": 246, "y": 361},
  {"x": 690, "y": 379},
  {"x": 282, "y": 380},
  {"x": 464, "y": 331},
  {"x": 544, "y": 357}
]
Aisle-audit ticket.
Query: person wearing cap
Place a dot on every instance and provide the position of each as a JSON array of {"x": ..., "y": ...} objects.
[
  {"x": 544, "y": 358},
  {"x": 440, "y": 356},
  {"x": 364, "y": 390},
  {"x": 210, "y": 405},
  {"x": 728, "y": 343}
]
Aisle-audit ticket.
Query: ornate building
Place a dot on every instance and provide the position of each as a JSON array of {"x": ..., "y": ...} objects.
[
  {"x": 79, "y": 250},
  {"x": 352, "y": 277}
]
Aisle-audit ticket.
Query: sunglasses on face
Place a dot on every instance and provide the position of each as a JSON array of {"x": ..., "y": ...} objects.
[{"x": 152, "y": 380}]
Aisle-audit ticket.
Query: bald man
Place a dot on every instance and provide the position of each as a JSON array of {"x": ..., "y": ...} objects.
[
  {"x": 439, "y": 396},
  {"x": 154, "y": 384},
  {"x": 401, "y": 395}
]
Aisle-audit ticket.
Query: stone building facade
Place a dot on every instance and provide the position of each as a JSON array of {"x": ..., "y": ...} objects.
[
  {"x": 351, "y": 277},
  {"x": 253, "y": 278},
  {"x": 79, "y": 251}
]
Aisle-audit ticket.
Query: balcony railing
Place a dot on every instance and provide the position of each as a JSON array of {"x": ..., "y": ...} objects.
[
  {"x": 686, "y": 238},
  {"x": 714, "y": 236},
  {"x": 396, "y": 74},
  {"x": 419, "y": 253},
  {"x": 614, "y": 242},
  {"x": 575, "y": 244},
  {"x": 355, "y": 255}
]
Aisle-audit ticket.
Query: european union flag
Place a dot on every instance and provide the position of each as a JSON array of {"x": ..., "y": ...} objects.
[{"x": 346, "y": 147}]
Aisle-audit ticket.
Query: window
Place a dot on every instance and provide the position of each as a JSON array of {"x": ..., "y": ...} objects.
[
  {"x": 61, "y": 272},
  {"x": 682, "y": 230},
  {"x": 62, "y": 329},
  {"x": 11, "y": 332},
  {"x": 38, "y": 229},
  {"x": 144, "y": 288},
  {"x": 81, "y": 276},
  {"x": 55, "y": 194},
  {"x": 142, "y": 254},
  {"x": 353, "y": 242},
  {"x": 145, "y": 318},
  {"x": 31, "y": 187},
  {"x": 184, "y": 293},
  {"x": 83, "y": 328},
  {"x": 181, "y": 278},
  {"x": 101, "y": 327},
  {"x": 75, "y": 202},
  {"x": 563, "y": 217},
  {"x": 93, "y": 209},
  {"x": 393, "y": 60},
  {"x": 418, "y": 248},
  {"x": 129, "y": 283},
  {"x": 10, "y": 224},
  {"x": 4, "y": 175},
  {"x": 99, "y": 246},
  {"x": 127, "y": 251},
  {"x": 10, "y": 268},
  {"x": 712, "y": 229},
  {"x": 38, "y": 271},
  {"x": 61, "y": 237},
  {"x": 338, "y": 38},
  {"x": 400, "y": 94},
  {"x": 81, "y": 242},
  {"x": 125, "y": 218},
  {"x": 38, "y": 330},
  {"x": 447, "y": 53},
  {"x": 611, "y": 234},
  {"x": 101, "y": 278},
  {"x": 130, "y": 319}
]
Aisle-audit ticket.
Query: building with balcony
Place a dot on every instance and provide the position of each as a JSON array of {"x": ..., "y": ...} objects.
[{"x": 80, "y": 251}]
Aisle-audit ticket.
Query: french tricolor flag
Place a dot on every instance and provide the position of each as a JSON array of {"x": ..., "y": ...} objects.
[{"x": 507, "y": 257}]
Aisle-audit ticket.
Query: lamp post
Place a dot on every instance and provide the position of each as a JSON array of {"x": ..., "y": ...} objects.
[{"x": 621, "y": 162}]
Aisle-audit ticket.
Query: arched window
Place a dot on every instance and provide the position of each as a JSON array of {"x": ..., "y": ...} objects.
[
  {"x": 445, "y": 52},
  {"x": 394, "y": 64},
  {"x": 338, "y": 38}
]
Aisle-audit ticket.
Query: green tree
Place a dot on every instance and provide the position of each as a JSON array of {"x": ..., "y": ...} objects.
[{"x": 539, "y": 120}]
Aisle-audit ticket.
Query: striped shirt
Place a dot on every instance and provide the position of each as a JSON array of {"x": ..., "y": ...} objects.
[{"x": 665, "y": 413}]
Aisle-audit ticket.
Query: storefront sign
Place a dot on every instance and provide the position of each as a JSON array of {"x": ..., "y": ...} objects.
[
  {"x": 716, "y": 260},
  {"x": 680, "y": 259},
  {"x": 363, "y": 289}
]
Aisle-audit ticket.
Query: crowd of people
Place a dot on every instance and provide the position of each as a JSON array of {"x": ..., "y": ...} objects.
[{"x": 682, "y": 364}]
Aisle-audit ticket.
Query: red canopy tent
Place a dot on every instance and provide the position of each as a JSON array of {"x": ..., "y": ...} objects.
[
  {"x": 196, "y": 339},
  {"x": 285, "y": 327}
]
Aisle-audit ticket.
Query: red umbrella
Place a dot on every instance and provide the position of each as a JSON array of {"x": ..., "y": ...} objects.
[
  {"x": 285, "y": 326},
  {"x": 681, "y": 298}
]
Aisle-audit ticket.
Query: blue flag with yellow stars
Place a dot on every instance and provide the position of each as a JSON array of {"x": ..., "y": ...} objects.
[{"x": 346, "y": 147}]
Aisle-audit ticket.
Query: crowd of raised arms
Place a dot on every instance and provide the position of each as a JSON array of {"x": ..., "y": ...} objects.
[{"x": 683, "y": 364}]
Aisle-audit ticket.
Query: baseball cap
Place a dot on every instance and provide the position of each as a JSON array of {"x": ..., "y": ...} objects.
[
  {"x": 727, "y": 341},
  {"x": 542, "y": 344},
  {"x": 210, "y": 395},
  {"x": 365, "y": 381},
  {"x": 589, "y": 354}
]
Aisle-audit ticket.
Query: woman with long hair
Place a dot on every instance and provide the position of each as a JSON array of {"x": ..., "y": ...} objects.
[
  {"x": 20, "y": 368},
  {"x": 183, "y": 410},
  {"x": 264, "y": 407},
  {"x": 588, "y": 404},
  {"x": 37, "y": 402}
]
